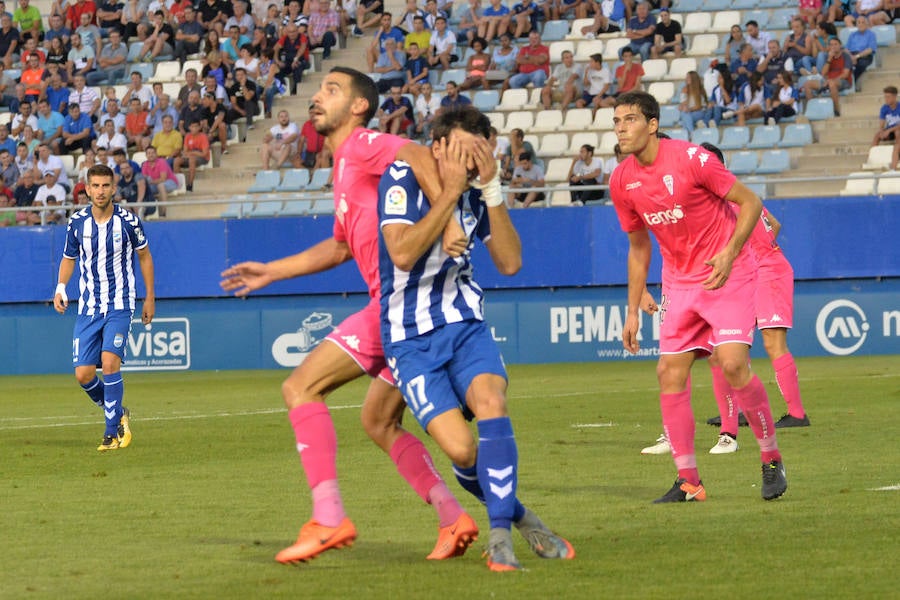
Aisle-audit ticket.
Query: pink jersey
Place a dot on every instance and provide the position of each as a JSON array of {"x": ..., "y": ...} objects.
[
  {"x": 771, "y": 260},
  {"x": 680, "y": 198},
  {"x": 359, "y": 164}
]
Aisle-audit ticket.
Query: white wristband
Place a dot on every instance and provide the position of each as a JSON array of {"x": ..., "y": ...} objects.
[
  {"x": 61, "y": 290},
  {"x": 490, "y": 191}
]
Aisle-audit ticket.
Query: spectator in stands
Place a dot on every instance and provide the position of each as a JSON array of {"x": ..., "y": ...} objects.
[
  {"x": 628, "y": 74},
  {"x": 270, "y": 84},
  {"x": 9, "y": 173},
  {"x": 837, "y": 74},
  {"x": 215, "y": 123},
  {"x": 311, "y": 147},
  {"x": 188, "y": 35},
  {"x": 418, "y": 34},
  {"x": 532, "y": 64},
  {"x": 733, "y": 45},
  {"x": 195, "y": 153},
  {"x": 136, "y": 130},
  {"x": 109, "y": 16},
  {"x": 527, "y": 14},
  {"x": 104, "y": 158},
  {"x": 80, "y": 59},
  {"x": 213, "y": 14},
  {"x": 433, "y": 11},
  {"x": 7, "y": 87},
  {"x": 32, "y": 79},
  {"x": 561, "y": 9},
  {"x": 111, "y": 62},
  {"x": 190, "y": 85},
  {"x": 48, "y": 161},
  {"x": 293, "y": 14},
  {"x": 469, "y": 22},
  {"x": 240, "y": 19},
  {"x": 517, "y": 145},
  {"x": 112, "y": 114},
  {"x": 57, "y": 54},
  {"x": 694, "y": 103},
  {"x": 324, "y": 27},
  {"x": 772, "y": 64},
  {"x": 78, "y": 8},
  {"x": 396, "y": 114},
  {"x": 608, "y": 14},
  {"x": 168, "y": 142},
  {"x": 6, "y": 142},
  {"x": 667, "y": 36},
  {"x": 212, "y": 86},
  {"x": 751, "y": 99},
  {"x": 232, "y": 44},
  {"x": 9, "y": 41},
  {"x": 495, "y": 20},
  {"x": 783, "y": 103},
  {"x": 385, "y": 31},
  {"x": 442, "y": 51},
  {"x": 160, "y": 176},
  {"x": 503, "y": 60},
  {"x": 824, "y": 32},
  {"x": 452, "y": 98},
  {"x": 57, "y": 30},
  {"x": 24, "y": 117},
  {"x": 280, "y": 143},
  {"x": 209, "y": 44},
  {"x": 24, "y": 160},
  {"x": 78, "y": 131},
  {"x": 427, "y": 106},
  {"x": 90, "y": 33},
  {"x": 798, "y": 46},
  {"x": 133, "y": 14},
  {"x": 641, "y": 30},
  {"x": 565, "y": 83},
  {"x": 375, "y": 8},
  {"x": 873, "y": 10},
  {"x": 410, "y": 12},
  {"x": 586, "y": 169},
  {"x": 527, "y": 174},
  {"x": 131, "y": 187},
  {"x": 758, "y": 40},
  {"x": 722, "y": 101},
  {"x": 51, "y": 195},
  {"x": 477, "y": 66},
  {"x": 862, "y": 45},
  {"x": 49, "y": 126},
  {"x": 29, "y": 138},
  {"x": 416, "y": 69},
  {"x": 24, "y": 194},
  {"x": 597, "y": 85},
  {"x": 8, "y": 218},
  {"x": 160, "y": 110},
  {"x": 292, "y": 56},
  {"x": 390, "y": 66},
  {"x": 190, "y": 112},
  {"x": 138, "y": 90},
  {"x": 888, "y": 125},
  {"x": 743, "y": 66},
  {"x": 110, "y": 139},
  {"x": 27, "y": 19}
]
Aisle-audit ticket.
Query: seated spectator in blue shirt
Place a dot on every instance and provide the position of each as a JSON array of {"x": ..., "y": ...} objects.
[
  {"x": 862, "y": 45},
  {"x": 452, "y": 98},
  {"x": 395, "y": 115},
  {"x": 641, "y": 30},
  {"x": 743, "y": 66},
  {"x": 50, "y": 123},
  {"x": 416, "y": 68},
  {"x": 78, "y": 131},
  {"x": 390, "y": 65}
]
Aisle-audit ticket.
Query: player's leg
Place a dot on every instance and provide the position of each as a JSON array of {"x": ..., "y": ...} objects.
[
  {"x": 115, "y": 340},
  {"x": 86, "y": 343}
]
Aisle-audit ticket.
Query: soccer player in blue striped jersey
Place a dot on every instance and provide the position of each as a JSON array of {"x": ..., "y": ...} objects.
[
  {"x": 104, "y": 238},
  {"x": 441, "y": 352}
]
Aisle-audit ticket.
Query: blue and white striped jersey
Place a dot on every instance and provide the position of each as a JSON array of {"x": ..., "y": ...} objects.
[
  {"x": 106, "y": 255},
  {"x": 439, "y": 289}
]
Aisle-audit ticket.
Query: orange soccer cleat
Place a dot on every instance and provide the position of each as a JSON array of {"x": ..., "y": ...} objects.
[
  {"x": 314, "y": 539},
  {"x": 455, "y": 539}
]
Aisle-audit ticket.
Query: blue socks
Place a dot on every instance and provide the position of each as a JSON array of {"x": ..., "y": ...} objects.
[
  {"x": 94, "y": 389},
  {"x": 497, "y": 467},
  {"x": 113, "y": 389}
]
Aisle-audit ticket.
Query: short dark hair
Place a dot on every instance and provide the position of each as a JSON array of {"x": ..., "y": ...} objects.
[
  {"x": 751, "y": 22},
  {"x": 466, "y": 117},
  {"x": 526, "y": 155},
  {"x": 361, "y": 86},
  {"x": 647, "y": 104},
  {"x": 890, "y": 90},
  {"x": 99, "y": 171}
]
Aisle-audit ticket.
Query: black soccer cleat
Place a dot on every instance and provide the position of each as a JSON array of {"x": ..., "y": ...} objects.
[
  {"x": 774, "y": 480},
  {"x": 717, "y": 421},
  {"x": 792, "y": 421},
  {"x": 682, "y": 491}
]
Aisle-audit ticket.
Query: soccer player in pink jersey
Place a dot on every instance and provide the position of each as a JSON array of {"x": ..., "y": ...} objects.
[
  {"x": 681, "y": 193},
  {"x": 344, "y": 103}
]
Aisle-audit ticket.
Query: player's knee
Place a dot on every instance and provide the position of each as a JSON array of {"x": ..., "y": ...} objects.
[
  {"x": 671, "y": 376},
  {"x": 462, "y": 453},
  {"x": 735, "y": 370},
  {"x": 84, "y": 375},
  {"x": 488, "y": 405},
  {"x": 296, "y": 391}
]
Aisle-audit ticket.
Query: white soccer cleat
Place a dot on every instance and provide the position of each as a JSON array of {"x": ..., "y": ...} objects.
[
  {"x": 725, "y": 445},
  {"x": 661, "y": 446}
]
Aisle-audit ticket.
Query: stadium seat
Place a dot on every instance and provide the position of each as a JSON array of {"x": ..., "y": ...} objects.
[
  {"x": 725, "y": 20},
  {"x": 734, "y": 138},
  {"x": 705, "y": 134},
  {"x": 553, "y": 145},
  {"x": 697, "y": 22},
  {"x": 68, "y": 162},
  {"x": 521, "y": 119},
  {"x": 534, "y": 99},
  {"x": 497, "y": 120},
  {"x": 612, "y": 48},
  {"x": 669, "y": 116},
  {"x": 145, "y": 69},
  {"x": 266, "y": 181},
  {"x": 237, "y": 210},
  {"x": 679, "y": 68},
  {"x": 577, "y": 119},
  {"x": 560, "y": 197},
  {"x": 558, "y": 47},
  {"x": 557, "y": 170},
  {"x": 889, "y": 184},
  {"x": 585, "y": 48},
  {"x": 322, "y": 206},
  {"x": 774, "y": 161},
  {"x": 687, "y": 6},
  {"x": 181, "y": 188},
  {"x": 166, "y": 71},
  {"x": 796, "y": 135},
  {"x": 743, "y": 162},
  {"x": 743, "y": 5},
  {"x": 580, "y": 139},
  {"x": 555, "y": 31},
  {"x": 455, "y": 75},
  {"x": 486, "y": 100},
  {"x": 294, "y": 180},
  {"x": 296, "y": 208},
  {"x": 859, "y": 184},
  {"x": 679, "y": 133},
  {"x": 655, "y": 69},
  {"x": 267, "y": 208},
  {"x": 197, "y": 65},
  {"x": 603, "y": 118},
  {"x": 770, "y": 4},
  {"x": 715, "y": 6},
  {"x": 545, "y": 120},
  {"x": 663, "y": 91},
  {"x": 703, "y": 44},
  {"x": 607, "y": 145},
  {"x": 139, "y": 157},
  {"x": 886, "y": 35},
  {"x": 134, "y": 52},
  {"x": 765, "y": 137},
  {"x": 758, "y": 186},
  {"x": 576, "y": 27},
  {"x": 760, "y": 16},
  {"x": 513, "y": 99},
  {"x": 781, "y": 18},
  {"x": 879, "y": 158},
  {"x": 819, "y": 109},
  {"x": 319, "y": 179}
]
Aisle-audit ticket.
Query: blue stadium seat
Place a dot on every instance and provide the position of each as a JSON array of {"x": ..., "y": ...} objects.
[
  {"x": 705, "y": 134},
  {"x": 885, "y": 34},
  {"x": 735, "y": 138},
  {"x": 455, "y": 75},
  {"x": 745, "y": 5},
  {"x": 323, "y": 206},
  {"x": 145, "y": 69},
  {"x": 758, "y": 186},
  {"x": 266, "y": 181},
  {"x": 795, "y": 135},
  {"x": 770, "y": 4},
  {"x": 687, "y": 6},
  {"x": 760, "y": 16},
  {"x": 774, "y": 161},
  {"x": 296, "y": 208},
  {"x": 555, "y": 31},
  {"x": 765, "y": 137},
  {"x": 743, "y": 162},
  {"x": 678, "y": 133},
  {"x": 294, "y": 180},
  {"x": 319, "y": 179},
  {"x": 781, "y": 18},
  {"x": 236, "y": 210},
  {"x": 715, "y": 5},
  {"x": 819, "y": 109},
  {"x": 669, "y": 116},
  {"x": 269, "y": 208},
  {"x": 486, "y": 100}
]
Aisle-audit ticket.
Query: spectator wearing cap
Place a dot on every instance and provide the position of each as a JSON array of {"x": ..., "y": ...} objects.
[
  {"x": 78, "y": 131},
  {"x": 667, "y": 36},
  {"x": 292, "y": 55},
  {"x": 51, "y": 195}
]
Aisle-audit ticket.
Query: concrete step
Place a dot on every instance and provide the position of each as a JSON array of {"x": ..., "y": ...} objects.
[{"x": 830, "y": 164}]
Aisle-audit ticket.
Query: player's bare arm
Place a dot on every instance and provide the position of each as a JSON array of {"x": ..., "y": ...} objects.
[
  {"x": 751, "y": 209},
  {"x": 250, "y": 276},
  {"x": 648, "y": 302},
  {"x": 639, "y": 254},
  {"x": 66, "y": 268},
  {"x": 148, "y": 310},
  {"x": 407, "y": 243}
]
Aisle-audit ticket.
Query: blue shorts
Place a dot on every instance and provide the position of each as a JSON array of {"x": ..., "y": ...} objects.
[
  {"x": 100, "y": 333},
  {"x": 434, "y": 370}
]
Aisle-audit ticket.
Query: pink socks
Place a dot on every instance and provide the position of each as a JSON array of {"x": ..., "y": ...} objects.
[
  {"x": 786, "y": 376},
  {"x": 678, "y": 421},
  {"x": 754, "y": 401},
  {"x": 317, "y": 446}
]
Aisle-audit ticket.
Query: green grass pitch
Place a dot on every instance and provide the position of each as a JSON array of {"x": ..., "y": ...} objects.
[{"x": 212, "y": 488}]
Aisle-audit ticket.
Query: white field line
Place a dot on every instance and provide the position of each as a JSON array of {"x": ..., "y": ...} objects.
[{"x": 887, "y": 488}]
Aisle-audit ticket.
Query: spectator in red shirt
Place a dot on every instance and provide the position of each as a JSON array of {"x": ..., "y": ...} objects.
[
  {"x": 195, "y": 152},
  {"x": 78, "y": 8},
  {"x": 533, "y": 64}
]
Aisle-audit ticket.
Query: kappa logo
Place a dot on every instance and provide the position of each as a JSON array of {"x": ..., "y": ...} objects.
[
  {"x": 371, "y": 136},
  {"x": 352, "y": 341},
  {"x": 703, "y": 156},
  {"x": 776, "y": 318},
  {"x": 692, "y": 151}
]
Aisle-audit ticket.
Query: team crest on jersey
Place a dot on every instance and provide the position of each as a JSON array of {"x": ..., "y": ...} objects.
[
  {"x": 669, "y": 181},
  {"x": 140, "y": 235},
  {"x": 117, "y": 237},
  {"x": 118, "y": 340},
  {"x": 395, "y": 201}
]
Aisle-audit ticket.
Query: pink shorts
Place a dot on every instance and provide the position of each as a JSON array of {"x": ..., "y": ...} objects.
[
  {"x": 698, "y": 319},
  {"x": 359, "y": 335},
  {"x": 775, "y": 302}
]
